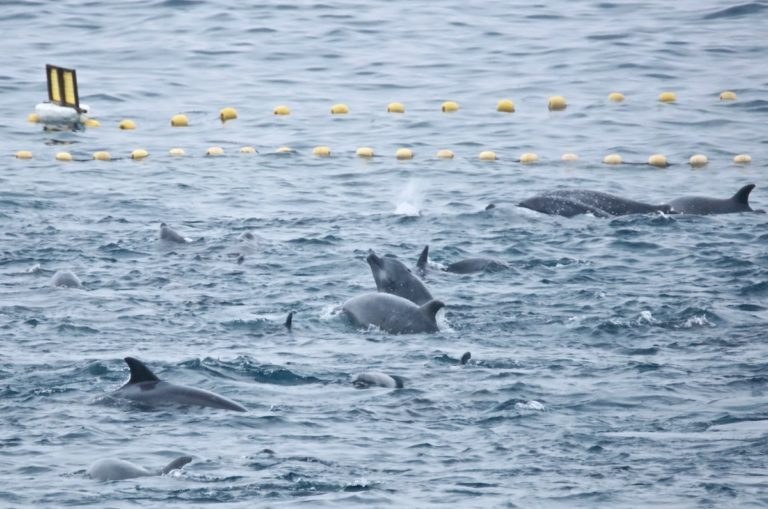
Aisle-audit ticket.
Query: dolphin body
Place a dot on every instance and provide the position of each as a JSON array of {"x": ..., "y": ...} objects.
[
  {"x": 739, "y": 202},
  {"x": 392, "y": 314},
  {"x": 116, "y": 469},
  {"x": 466, "y": 266},
  {"x": 66, "y": 279},
  {"x": 371, "y": 378},
  {"x": 392, "y": 276},
  {"x": 572, "y": 202},
  {"x": 171, "y": 235},
  {"x": 146, "y": 388}
]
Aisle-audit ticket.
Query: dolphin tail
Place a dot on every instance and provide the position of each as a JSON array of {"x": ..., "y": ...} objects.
[
  {"x": 423, "y": 257},
  {"x": 742, "y": 195},
  {"x": 431, "y": 308},
  {"x": 176, "y": 464},
  {"x": 139, "y": 372},
  {"x": 289, "y": 321}
]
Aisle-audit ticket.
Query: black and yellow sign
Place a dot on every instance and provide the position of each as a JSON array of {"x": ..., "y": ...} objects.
[{"x": 62, "y": 86}]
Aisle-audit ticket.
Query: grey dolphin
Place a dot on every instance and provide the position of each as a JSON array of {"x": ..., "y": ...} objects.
[
  {"x": 392, "y": 314},
  {"x": 116, "y": 469},
  {"x": 66, "y": 279},
  {"x": 371, "y": 378},
  {"x": 739, "y": 202},
  {"x": 146, "y": 388},
  {"x": 392, "y": 276},
  {"x": 571, "y": 202},
  {"x": 466, "y": 266},
  {"x": 171, "y": 235}
]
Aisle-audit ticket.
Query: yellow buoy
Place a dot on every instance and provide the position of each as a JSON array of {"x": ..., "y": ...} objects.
[
  {"x": 177, "y": 152},
  {"x": 282, "y": 110},
  {"x": 529, "y": 158},
  {"x": 487, "y": 155},
  {"x": 505, "y": 106},
  {"x": 658, "y": 160},
  {"x": 227, "y": 114},
  {"x": 728, "y": 96},
  {"x": 214, "y": 151},
  {"x": 396, "y": 108},
  {"x": 404, "y": 153},
  {"x": 698, "y": 160},
  {"x": 321, "y": 151},
  {"x": 247, "y": 150},
  {"x": 612, "y": 159},
  {"x": 23, "y": 154},
  {"x": 179, "y": 120},
  {"x": 127, "y": 124},
  {"x": 139, "y": 153},
  {"x": 283, "y": 150},
  {"x": 33, "y": 118},
  {"x": 339, "y": 109},
  {"x": 444, "y": 154},
  {"x": 616, "y": 97},
  {"x": 742, "y": 159},
  {"x": 63, "y": 156},
  {"x": 667, "y": 97},
  {"x": 364, "y": 152},
  {"x": 557, "y": 103},
  {"x": 569, "y": 156},
  {"x": 450, "y": 106},
  {"x": 92, "y": 122},
  {"x": 102, "y": 155}
]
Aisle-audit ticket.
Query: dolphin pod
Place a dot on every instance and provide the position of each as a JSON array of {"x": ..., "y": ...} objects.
[
  {"x": 146, "y": 388},
  {"x": 466, "y": 266},
  {"x": 115, "y": 469},
  {"x": 571, "y": 202}
]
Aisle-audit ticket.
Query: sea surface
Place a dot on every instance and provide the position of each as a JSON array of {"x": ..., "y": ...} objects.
[{"x": 616, "y": 363}]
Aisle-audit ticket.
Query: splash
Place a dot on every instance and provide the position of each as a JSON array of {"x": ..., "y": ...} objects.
[{"x": 409, "y": 200}]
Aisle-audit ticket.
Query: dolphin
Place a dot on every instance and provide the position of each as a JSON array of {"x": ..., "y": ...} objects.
[
  {"x": 392, "y": 276},
  {"x": 371, "y": 378},
  {"x": 739, "y": 202},
  {"x": 171, "y": 235},
  {"x": 571, "y": 202},
  {"x": 144, "y": 387},
  {"x": 392, "y": 314},
  {"x": 116, "y": 470},
  {"x": 466, "y": 266},
  {"x": 66, "y": 279}
]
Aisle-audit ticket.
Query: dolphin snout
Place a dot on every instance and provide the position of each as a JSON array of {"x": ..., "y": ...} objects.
[{"x": 373, "y": 260}]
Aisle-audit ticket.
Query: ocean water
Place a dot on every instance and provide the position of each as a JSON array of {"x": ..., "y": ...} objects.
[{"x": 616, "y": 363}]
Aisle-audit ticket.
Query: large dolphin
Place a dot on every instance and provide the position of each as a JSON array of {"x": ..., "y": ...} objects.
[
  {"x": 392, "y": 276},
  {"x": 392, "y": 314},
  {"x": 144, "y": 387},
  {"x": 466, "y": 266},
  {"x": 739, "y": 202},
  {"x": 115, "y": 469},
  {"x": 571, "y": 202}
]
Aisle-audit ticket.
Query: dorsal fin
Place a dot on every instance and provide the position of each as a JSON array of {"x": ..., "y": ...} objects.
[
  {"x": 139, "y": 372},
  {"x": 465, "y": 358},
  {"x": 289, "y": 321},
  {"x": 432, "y": 307},
  {"x": 399, "y": 381},
  {"x": 423, "y": 257},
  {"x": 742, "y": 195},
  {"x": 175, "y": 464}
]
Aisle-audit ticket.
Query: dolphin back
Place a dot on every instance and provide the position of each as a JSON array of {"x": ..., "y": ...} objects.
[{"x": 176, "y": 464}]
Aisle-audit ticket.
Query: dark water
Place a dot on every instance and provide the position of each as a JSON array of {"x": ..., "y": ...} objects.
[{"x": 617, "y": 363}]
